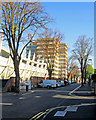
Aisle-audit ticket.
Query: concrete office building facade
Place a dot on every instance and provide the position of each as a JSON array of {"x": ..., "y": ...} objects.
[
  {"x": 56, "y": 52},
  {"x": 28, "y": 68}
]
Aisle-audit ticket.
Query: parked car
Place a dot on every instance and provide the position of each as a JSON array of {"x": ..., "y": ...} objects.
[
  {"x": 62, "y": 83},
  {"x": 58, "y": 84}
]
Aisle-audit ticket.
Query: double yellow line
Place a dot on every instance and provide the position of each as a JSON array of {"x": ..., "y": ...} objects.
[
  {"x": 33, "y": 118},
  {"x": 37, "y": 116}
]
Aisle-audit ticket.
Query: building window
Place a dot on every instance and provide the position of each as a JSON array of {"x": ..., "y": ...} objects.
[
  {"x": 23, "y": 61},
  {"x": 35, "y": 65},
  {"x": 43, "y": 66},
  {"x": 27, "y": 55},
  {"x": 27, "y": 51},
  {"x": 62, "y": 63},
  {"x": 29, "y": 47},
  {"x": 63, "y": 67},
  {"x": 39, "y": 66},
  {"x": 62, "y": 60}
]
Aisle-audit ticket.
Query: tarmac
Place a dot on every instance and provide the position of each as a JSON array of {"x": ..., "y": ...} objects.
[
  {"x": 74, "y": 112},
  {"x": 79, "y": 111}
]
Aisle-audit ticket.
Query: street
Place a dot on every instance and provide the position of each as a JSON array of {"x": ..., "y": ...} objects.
[
  {"x": 47, "y": 65},
  {"x": 29, "y": 104}
]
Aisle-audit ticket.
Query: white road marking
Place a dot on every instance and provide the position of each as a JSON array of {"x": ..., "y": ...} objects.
[
  {"x": 68, "y": 109},
  {"x": 32, "y": 91},
  {"x": 60, "y": 113},
  {"x": 37, "y": 96},
  {"x": 52, "y": 109},
  {"x": 21, "y": 98},
  {"x": 6, "y": 103},
  {"x": 73, "y": 109},
  {"x": 28, "y": 93}
]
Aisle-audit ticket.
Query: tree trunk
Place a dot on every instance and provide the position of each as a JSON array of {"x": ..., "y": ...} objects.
[
  {"x": 82, "y": 72},
  {"x": 17, "y": 78},
  {"x": 77, "y": 79},
  {"x": 82, "y": 77},
  {"x": 85, "y": 76},
  {"x": 68, "y": 78},
  {"x": 50, "y": 73}
]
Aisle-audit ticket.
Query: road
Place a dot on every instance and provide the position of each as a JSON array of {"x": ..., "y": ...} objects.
[{"x": 28, "y": 104}]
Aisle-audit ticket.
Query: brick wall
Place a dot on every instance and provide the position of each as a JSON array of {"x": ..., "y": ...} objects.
[
  {"x": 35, "y": 81},
  {"x": 9, "y": 84}
]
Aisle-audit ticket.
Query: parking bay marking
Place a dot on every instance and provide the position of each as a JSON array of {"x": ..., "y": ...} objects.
[{"x": 63, "y": 113}]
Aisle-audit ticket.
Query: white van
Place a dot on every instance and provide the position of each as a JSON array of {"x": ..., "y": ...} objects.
[{"x": 49, "y": 83}]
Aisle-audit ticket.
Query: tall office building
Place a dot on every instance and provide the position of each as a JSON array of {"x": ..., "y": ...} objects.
[
  {"x": 63, "y": 60},
  {"x": 53, "y": 52},
  {"x": 32, "y": 47}
]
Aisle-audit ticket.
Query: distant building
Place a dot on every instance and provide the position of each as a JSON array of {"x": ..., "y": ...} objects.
[
  {"x": 63, "y": 60},
  {"x": 51, "y": 50},
  {"x": 32, "y": 47}
]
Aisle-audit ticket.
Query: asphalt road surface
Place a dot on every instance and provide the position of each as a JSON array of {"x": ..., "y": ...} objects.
[{"x": 29, "y": 104}]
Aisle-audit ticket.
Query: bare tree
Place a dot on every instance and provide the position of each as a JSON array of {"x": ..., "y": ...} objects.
[
  {"x": 72, "y": 68},
  {"x": 19, "y": 18},
  {"x": 76, "y": 72},
  {"x": 68, "y": 67},
  {"x": 82, "y": 49},
  {"x": 50, "y": 50},
  {"x": 49, "y": 33}
]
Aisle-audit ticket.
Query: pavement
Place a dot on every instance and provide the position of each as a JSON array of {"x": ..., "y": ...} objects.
[
  {"x": 85, "y": 90},
  {"x": 80, "y": 111},
  {"x": 22, "y": 92}
]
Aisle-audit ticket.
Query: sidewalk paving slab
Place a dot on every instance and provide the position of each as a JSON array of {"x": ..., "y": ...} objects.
[{"x": 85, "y": 90}]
